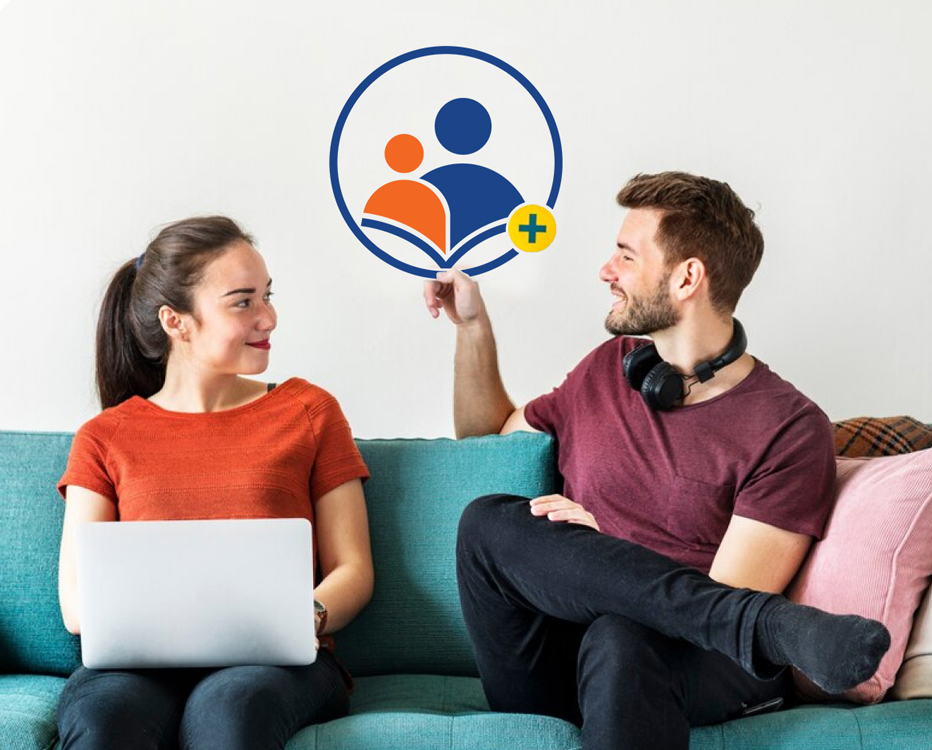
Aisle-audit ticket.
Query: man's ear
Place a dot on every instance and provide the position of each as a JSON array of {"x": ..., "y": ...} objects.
[
  {"x": 174, "y": 324},
  {"x": 687, "y": 278}
]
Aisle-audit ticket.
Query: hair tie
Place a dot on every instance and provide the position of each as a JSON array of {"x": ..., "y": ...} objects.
[{"x": 140, "y": 259}]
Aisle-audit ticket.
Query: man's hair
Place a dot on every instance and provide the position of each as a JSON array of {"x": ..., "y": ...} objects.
[{"x": 702, "y": 218}]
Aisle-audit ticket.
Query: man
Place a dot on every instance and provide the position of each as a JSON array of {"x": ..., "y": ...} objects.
[{"x": 594, "y": 605}]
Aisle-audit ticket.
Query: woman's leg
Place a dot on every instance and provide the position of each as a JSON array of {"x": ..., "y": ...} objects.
[
  {"x": 115, "y": 709},
  {"x": 244, "y": 708},
  {"x": 510, "y": 563}
]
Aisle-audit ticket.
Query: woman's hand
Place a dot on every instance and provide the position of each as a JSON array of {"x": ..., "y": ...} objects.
[{"x": 559, "y": 508}]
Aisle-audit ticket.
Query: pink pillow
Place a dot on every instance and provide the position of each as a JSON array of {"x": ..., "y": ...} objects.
[{"x": 876, "y": 557}]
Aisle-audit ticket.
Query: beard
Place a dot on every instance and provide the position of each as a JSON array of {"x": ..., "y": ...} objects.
[{"x": 642, "y": 317}]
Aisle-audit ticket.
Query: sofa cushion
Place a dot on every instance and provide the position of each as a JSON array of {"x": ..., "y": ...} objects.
[
  {"x": 405, "y": 730},
  {"x": 27, "y": 711},
  {"x": 874, "y": 559},
  {"x": 415, "y": 497},
  {"x": 889, "y": 726},
  {"x": 420, "y": 693},
  {"x": 32, "y": 636},
  {"x": 863, "y": 437},
  {"x": 914, "y": 680},
  {"x": 901, "y": 725}
]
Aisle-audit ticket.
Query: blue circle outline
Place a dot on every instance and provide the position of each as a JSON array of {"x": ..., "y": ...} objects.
[{"x": 378, "y": 73}]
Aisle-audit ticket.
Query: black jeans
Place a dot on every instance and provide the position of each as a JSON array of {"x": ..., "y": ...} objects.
[
  {"x": 237, "y": 708},
  {"x": 607, "y": 634}
]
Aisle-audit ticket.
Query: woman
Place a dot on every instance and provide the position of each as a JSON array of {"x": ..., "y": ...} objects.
[{"x": 184, "y": 435}]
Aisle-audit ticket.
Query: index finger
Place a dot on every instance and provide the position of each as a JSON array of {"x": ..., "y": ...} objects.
[{"x": 431, "y": 290}]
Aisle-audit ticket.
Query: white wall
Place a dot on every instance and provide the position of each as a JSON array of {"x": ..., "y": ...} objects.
[{"x": 120, "y": 116}]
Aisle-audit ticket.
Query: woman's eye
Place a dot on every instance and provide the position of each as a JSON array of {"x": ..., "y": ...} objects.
[
  {"x": 268, "y": 296},
  {"x": 242, "y": 303}
]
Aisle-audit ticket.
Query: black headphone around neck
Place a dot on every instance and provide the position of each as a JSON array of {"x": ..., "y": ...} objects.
[{"x": 660, "y": 385}]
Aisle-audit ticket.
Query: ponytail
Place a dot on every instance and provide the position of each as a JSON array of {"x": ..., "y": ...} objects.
[
  {"x": 132, "y": 348},
  {"x": 122, "y": 369}
]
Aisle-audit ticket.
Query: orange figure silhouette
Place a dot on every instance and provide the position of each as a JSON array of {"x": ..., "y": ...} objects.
[{"x": 410, "y": 202}]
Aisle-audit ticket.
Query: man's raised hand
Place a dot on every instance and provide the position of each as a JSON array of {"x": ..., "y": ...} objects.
[{"x": 457, "y": 294}]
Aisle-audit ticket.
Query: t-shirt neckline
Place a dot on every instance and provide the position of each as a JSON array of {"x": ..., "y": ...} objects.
[
  {"x": 254, "y": 404},
  {"x": 759, "y": 367}
]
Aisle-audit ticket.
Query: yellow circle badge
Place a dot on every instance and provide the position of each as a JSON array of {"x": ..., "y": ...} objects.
[{"x": 532, "y": 227}]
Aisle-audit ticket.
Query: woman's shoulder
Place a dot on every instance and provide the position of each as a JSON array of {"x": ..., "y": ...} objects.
[
  {"x": 105, "y": 424},
  {"x": 98, "y": 435},
  {"x": 305, "y": 390},
  {"x": 315, "y": 399}
]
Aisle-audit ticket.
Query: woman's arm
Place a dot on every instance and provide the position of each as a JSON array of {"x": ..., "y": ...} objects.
[
  {"x": 81, "y": 506},
  {"x": 342, "y": 531}
]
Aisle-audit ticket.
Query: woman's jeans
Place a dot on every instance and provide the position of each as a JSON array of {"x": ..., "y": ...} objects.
[
  {"x": 236, "y": 708},
  {"x": 605, "y": 633}
]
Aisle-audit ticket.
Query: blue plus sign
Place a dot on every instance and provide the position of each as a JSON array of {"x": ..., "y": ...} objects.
[{"x": 532, "y": 229}]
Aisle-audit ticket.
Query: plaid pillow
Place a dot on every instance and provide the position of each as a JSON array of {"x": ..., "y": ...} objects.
[{"x": 881, "y": 436}]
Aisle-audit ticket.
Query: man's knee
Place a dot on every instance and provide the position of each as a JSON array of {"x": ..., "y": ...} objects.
[{"x": 486, "y": 519}]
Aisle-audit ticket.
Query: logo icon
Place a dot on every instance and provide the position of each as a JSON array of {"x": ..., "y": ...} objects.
[{"x": 443, "y": 152}]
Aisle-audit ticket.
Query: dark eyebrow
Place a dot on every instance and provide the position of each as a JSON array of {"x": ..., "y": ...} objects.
[
  {"x": 250, "y": 290},
  {"x": 625, "y": 246}
]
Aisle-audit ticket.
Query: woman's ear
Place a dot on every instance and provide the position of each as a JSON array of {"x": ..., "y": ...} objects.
[{"x": 174, "y": 324}]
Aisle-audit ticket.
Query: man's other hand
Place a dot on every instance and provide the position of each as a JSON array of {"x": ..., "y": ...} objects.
[
  {"x": 457, "y": 294},
  {"x": 559, "y": 508}
]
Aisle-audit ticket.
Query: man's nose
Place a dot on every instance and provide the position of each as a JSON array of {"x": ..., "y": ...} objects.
[{"x": 607, "y": 271}]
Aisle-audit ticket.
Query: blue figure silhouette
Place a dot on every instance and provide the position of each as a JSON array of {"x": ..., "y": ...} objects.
[{"x": 477, "y": 196}]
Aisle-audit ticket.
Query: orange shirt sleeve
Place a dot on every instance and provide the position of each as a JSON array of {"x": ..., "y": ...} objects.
[
  {"x": 87, "y": 461},
  {"x": 337, "y": 458}
]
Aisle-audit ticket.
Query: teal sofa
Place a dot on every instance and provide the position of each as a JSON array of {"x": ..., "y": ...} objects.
[{"x": 416, "y": 684}]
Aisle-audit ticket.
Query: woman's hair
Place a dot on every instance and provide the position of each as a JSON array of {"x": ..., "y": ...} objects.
[{"x": 132, "y": 348}]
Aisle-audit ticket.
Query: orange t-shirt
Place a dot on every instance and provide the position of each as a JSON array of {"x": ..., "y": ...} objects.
[{"x": 271, "y": 458}]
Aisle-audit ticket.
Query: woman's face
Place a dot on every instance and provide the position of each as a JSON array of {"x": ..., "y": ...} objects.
[{"x": 233, "y": 314}]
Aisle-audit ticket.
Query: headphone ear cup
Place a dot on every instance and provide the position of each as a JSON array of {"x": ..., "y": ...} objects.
[
  {"x": 662, "y": 387},
  {"x": 638, "y": 362}
]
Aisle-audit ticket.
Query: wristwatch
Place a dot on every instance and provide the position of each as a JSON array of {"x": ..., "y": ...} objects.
[{"x": 320, "y": 610}]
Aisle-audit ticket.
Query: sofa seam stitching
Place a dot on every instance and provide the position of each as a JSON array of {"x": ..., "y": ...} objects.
[{"x": 857, "y": 723}]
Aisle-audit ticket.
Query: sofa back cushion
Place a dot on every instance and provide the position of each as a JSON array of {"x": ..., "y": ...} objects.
[
  {"x": 33, "y": 639},
  {"x": 863, "y": 437},
  {"x": 415, "y": 496},
  {"x": 417, "y": 491},
  {"x": 874, "y": 560}
]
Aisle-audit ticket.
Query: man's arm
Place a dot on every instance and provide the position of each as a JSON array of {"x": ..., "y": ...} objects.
[
  {"x": 480, "y": 404},
  {"x": 759, "y": 556},
  {"x": 517, "y": 423}
]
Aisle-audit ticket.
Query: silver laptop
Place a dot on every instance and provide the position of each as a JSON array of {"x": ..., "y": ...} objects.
[{"x": 196, "y": 593}]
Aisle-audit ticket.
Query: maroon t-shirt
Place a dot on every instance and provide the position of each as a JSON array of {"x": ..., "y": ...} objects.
[{"x": 671, "y": 481}]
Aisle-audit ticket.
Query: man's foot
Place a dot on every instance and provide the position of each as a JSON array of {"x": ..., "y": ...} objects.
[{"x": 836, "y": 652}]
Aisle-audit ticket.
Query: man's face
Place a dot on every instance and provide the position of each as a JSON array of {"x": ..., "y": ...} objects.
[{"x": 639, "y": 278}]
